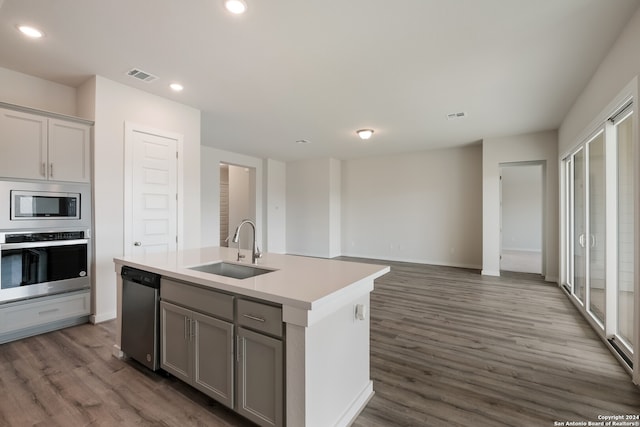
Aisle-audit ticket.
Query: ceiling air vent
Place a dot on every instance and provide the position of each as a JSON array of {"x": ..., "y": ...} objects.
[
  {"x": 454, "y": 116},
  {"x": 141, "y": 75}
]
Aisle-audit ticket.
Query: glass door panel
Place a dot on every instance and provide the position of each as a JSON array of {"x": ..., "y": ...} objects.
[
  {"x": 596, "y": 236},
  {"x": 579, "y": 242},
  {"x": 625, "y": 230}
]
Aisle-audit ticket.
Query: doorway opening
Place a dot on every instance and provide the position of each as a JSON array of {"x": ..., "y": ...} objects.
[
  {"x": 522, "y": 195},
  {"x": 237, "y": 201}
]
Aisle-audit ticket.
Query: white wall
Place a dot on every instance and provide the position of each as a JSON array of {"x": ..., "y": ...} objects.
[
  {"x": 313, "y": 206},
  {"x": 276, "y": 206},
  {"x": 28, "y": 91},
  {"x": 423, "y": 207},
  {"x": 618, "y": 68},
  {"x": 522, "y": 208},
  {"x": 335, "y": 208},
  {"x": 541, "y": 146},
  {"x": 115, "y": 104}
]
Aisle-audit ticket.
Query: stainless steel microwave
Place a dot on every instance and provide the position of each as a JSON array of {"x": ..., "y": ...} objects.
[
  {"x": 37, "y": 205},
  {"x": 26, "y": 205}
]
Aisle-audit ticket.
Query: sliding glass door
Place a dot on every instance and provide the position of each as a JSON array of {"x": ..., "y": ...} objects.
[
  {"x": 595, "y": 240},
  {"x": 625, "y": 155},
  {"x": 587, "y": 201},
  {"x": 579, "y": 226},
  {"x": 599, "y": 188}
]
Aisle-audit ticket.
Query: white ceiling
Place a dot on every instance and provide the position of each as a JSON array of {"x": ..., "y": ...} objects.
[{"x": 320, "y": 69}]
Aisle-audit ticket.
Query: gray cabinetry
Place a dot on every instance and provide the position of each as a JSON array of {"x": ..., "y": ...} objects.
[
  {"x": 176, "y": 344},
  {"x": 197, "y": 347},
  {"x": 259, "y": 392},
  {"x": 213, "y": 358},
  {"x": 259, "y": 363}
]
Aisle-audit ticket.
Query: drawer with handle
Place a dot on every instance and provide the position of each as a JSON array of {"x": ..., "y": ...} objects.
[
  {"x": 260, "y": 317},
  {"x": 206, "y": 301}
]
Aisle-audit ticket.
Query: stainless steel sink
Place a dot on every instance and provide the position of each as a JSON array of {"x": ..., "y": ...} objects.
[{"x": 235, "y": 271}]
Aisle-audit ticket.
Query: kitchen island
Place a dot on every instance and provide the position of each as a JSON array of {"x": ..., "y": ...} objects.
[{"x": 324, "y": 310}]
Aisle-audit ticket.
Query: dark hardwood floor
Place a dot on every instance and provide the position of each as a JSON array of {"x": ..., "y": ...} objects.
[
  {"x": 452, "y": 348},
  {"x": 448, "y": 348}
]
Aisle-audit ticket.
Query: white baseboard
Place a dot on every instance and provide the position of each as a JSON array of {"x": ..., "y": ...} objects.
[
  {"x": 102, "y": 317},
  {"x": 530, "y": 251},
  {"x": 116, "y": 352},
  {"x": 414, "y": 261},
  {"x": 356, "y": 406},
  {"x": 490, "y": 273}
]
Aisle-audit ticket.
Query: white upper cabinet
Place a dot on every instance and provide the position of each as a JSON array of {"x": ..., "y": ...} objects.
[
  {"x": 38, "y": 147},
  {"x": 23, "y": 145},
  {"x": 69, "y": 146}
]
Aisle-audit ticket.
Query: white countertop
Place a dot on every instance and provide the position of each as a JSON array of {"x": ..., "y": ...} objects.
[{"x": 298, "y": 282}]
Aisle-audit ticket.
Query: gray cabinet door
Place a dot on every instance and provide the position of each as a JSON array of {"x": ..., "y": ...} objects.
[
  {"x": 176, "y": 328},
  {"x": 259, "y": 393},
  {"x": 213, "y": 358}
]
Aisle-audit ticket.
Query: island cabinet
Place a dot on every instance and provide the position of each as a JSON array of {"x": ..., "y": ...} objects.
[
  {"x": 260, "y": 370},
  {"x": 38, "y": 147},
  {"x": 197, "y": 338},
  {"x": 300, "y": 331}
]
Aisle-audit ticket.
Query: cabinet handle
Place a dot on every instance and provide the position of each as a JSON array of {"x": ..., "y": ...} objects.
[
  {"x": 256, "y": 318},
  {"x": 53, "y": 310},
  {"x": 43, "y": 169},
  {"x": 51, "y": 170},
  {"x": 191, "y": 329},
  {"x": 185, "y": 327},
  {"x": 238, "y": 347}
]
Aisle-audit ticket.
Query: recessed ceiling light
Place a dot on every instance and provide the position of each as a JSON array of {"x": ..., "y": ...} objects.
[
  {"x": 303, "y": 141},
  {"x": 364, "y": 133},
  {"x": 177, "y": 87},
  {"x": 236, "y": 7},
  {"x": 31, "y": 32}
]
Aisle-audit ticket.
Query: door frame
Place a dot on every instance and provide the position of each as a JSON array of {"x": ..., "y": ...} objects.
[
  {"x": 543, "y": 209},
  {"x": 129, "y": 129}
]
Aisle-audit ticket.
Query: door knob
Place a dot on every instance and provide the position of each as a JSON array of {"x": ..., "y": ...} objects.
[{"x": 137, "y": 243}]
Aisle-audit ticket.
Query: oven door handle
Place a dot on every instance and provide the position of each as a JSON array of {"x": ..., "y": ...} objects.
[{"x": 44, "y": 244}]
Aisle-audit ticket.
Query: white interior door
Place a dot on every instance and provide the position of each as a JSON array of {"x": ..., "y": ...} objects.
[{"x": 153, "y": 193}]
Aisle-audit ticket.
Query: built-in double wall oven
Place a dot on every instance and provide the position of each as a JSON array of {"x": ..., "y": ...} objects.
[{"x": 45, "y": 238}]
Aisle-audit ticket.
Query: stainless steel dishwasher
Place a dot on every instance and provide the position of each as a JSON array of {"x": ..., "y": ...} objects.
[{"x": 140, "y": 316}]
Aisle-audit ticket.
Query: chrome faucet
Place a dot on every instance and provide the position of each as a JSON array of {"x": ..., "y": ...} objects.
[{"x": 255, "y": 253}]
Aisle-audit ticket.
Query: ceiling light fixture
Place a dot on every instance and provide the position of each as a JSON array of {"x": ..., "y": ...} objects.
[
  {"x": 364, "y": 133},
  {"x": 31, "y": 32},
  {"x": 237, "y": 7},
  {"x": 176, "y": 87}
]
